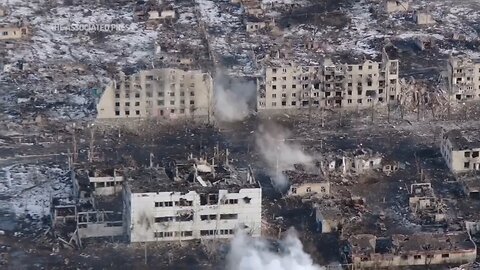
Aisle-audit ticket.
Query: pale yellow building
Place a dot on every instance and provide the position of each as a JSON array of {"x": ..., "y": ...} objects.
[
  {"x": 11, "y": 32},
  {"x": 331, "y": 84},
  {"x": 161, "y": 93},
  {"x": 464, "y": 77}
]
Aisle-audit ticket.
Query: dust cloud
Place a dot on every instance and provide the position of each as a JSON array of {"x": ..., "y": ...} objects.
[
  {"x": 279, "y": 153},
  {"x": 232, "y": 98},
  {"x": 247, "y": 253}
]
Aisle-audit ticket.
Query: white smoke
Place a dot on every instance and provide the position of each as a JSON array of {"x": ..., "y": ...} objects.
[
  {"x": 232, "y": 98},
  {"x": 247, "y": 253},
  {"x": 279, "y": 153}
]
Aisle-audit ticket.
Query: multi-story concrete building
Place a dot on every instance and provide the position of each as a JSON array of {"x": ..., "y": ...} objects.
[
  {"x": 461, "y": 150},
  {"x": 196, "y": 200},
  {"x": 161, "y": 93},
  {"x": 329, "y": 85},
  {"x": 463, "y": 77},
  {"x": 368, "y": 251}
]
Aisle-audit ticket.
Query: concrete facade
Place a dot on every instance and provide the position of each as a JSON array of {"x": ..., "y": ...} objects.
[
  {"x": 160, "y": 217},
  {"x": 463, "y": 77},
  {"x": 161, "y": 93},
  {"x": 394, "y": 6},
  {"x": 460, "y": 150},
  {"x": 292, "y": 86},
  {"x": 368, "y": 251},
  {"x": 10, "y": 32},
  {"x": 423, "y": 18},
  {"x": 305, "y": 189}
]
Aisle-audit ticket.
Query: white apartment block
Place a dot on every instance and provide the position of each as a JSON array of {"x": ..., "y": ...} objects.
[
  {"x": 161, "y": 93},
  {"x": 461, "y": 150},
  {"x": 331, "y": 85},
  {"x": 464, "y": 77},
  {"x": 158, "y": 208}
]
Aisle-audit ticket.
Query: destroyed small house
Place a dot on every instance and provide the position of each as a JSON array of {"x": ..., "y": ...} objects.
[
  {"x": 425, "y": 205},
  {"x": 162, "y": 93},
  {"x": 193, "y": 200},
  {"x": 12, "y": 32},
  {"x": 463, "y": 77},
  {"x": 394, "y": 6},
  {"x": 461, "y": 150},
  {"x": 369, "y": 251},
  {"x": 3, "y": 11},
  {"x": 307, "y": 184},
  {"x": 423, "y": 17},
  {"x": 329, "y": 219}
]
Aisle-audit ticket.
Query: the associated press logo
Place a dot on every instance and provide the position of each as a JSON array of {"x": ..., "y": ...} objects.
[{"x": 85, "y": 27}]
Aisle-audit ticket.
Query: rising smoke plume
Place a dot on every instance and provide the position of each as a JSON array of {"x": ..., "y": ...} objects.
[
  {"x": 279, "y": 153},
  {"x": 247, "y": 253},
  {"x": 232, "y": 98}
]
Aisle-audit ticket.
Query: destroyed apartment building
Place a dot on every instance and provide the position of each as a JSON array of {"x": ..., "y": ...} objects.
[
  {"x": 191, "y": 200},
  {"x": 162, "y": 93},
  {"x": 367, "y": 251},
  {"x": 461, "y": 150},
  {"x": 463, "y": 77},
  {"x": 95, "y": 208},
  {"x": 339, "y": 81},
  {"x": 425, "y": 206},
  {"x": 182, "y": 201}
]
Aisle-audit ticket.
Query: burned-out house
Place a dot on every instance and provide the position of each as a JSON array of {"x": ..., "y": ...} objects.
[
  {"x": 191, "y": 200},
  {"x": 367, "y": 251},
  {"x": 424, "y": 205},
  {"x": 304, "y": 183}
]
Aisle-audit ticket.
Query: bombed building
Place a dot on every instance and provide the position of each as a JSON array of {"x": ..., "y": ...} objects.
[
  {"x": 339, "y": 81},
  {"x": 191, "y": 200},
  {"x": 460, "y": 150},
  {"x": 161, "y": 93},
  {"x": 463, "y": 77},
  {"x": 368, "y": 251}
]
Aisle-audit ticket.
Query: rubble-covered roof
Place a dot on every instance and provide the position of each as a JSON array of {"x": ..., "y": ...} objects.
[
  {"x": 192, "y": 175},
  {"x": 397, "y": 244},
  {"x": 463, "y": 139}
]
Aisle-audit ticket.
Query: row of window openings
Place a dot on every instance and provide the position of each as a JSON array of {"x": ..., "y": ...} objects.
[
  {"x": 305, "y": 86},
  {"x": 349, "y": 68},
  {"x": 190, "y": 218},
  {"x": 327, "y": 94},
  {"x": 137, "y": 112},
  {"x": 469, "y": 70},
  {"x": 107, "y": 184},
  {"x": 150, "y": 94},
  {"x": 149, "y": 86},
  {"x": 213, "y": 200},
  {"x": 170, "y": 234},
  {"x": 309, "y": 190},
  {"x": 159, "y": 103},
  {"x": 476, "y": 166},
  {"x": 190, "y": 233},
  {"x": 349, "y": 101},
  {"x": 474, "y": 154},
  {"x": 415, "y": 257}
]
